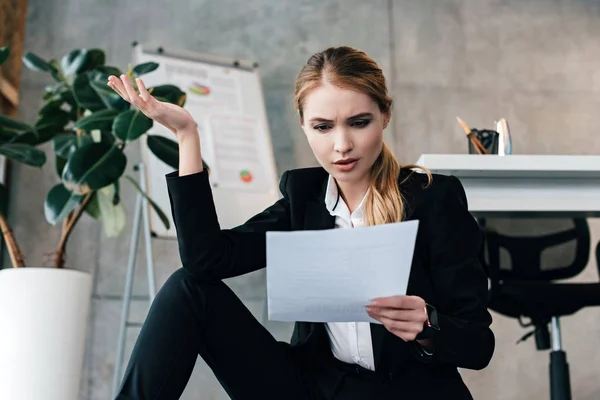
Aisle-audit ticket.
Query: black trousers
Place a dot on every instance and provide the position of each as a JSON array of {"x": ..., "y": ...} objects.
[{"x": 188, "y": 318}]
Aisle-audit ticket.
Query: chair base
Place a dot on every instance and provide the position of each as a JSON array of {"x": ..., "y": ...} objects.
[{"x": 560, "y": 382}]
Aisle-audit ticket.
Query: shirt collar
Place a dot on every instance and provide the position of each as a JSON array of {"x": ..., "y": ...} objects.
[
  {"x": 332, "y": 195},
  {"x": 336, "y": 205}
]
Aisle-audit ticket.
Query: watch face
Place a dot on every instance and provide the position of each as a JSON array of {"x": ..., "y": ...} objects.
[{"x": 433, "y": 317}]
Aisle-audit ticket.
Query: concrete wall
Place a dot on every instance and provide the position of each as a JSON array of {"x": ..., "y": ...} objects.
[{"x": 534, "y": 63}]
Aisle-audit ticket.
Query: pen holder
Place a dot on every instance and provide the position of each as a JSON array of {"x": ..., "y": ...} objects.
[{"x": 488, "y": 138}]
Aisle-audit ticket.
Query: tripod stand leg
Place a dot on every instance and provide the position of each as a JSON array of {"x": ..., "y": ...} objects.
[
  {"x": 147, "y": 238},
  {"x": 127, "y": 293}
]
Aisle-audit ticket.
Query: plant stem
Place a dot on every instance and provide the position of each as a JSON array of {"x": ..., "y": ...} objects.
[
  {"x": 66, "y": 221},
  {"x": 13, "y": 248},
  {"x": 59, "y": 261}
]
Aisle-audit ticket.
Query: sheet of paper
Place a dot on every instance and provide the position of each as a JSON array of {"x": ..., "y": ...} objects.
[{"x": 332, "y": 275}]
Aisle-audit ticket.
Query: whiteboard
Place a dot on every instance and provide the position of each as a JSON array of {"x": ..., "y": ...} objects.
[{"x": 225, "y": 99}]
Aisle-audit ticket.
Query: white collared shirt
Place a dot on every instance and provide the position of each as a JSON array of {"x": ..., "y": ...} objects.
[{"x": 350, "y": 341}]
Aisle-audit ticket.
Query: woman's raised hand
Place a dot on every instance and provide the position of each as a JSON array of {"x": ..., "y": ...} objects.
[{"x": 171, "y": 116}]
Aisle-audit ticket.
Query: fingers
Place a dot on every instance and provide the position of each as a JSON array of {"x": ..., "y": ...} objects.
[
  {"x": 407, "y": 331},
  {"x": 134, "y": 98},
  {"x": 404, "y": 316},
  {"x": 398, "y": 314},
  {"x": 118, "y": 87},
  {"x": 124, "y": 88},
  {"x": 143, "y": 91},
  {"x": 406, "y": 302}
]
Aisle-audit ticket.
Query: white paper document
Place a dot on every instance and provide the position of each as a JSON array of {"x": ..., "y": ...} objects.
[{"x": 332, "y": 275}]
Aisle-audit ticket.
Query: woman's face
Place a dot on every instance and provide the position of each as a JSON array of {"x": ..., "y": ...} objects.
[{"x": 345, "y": 131}]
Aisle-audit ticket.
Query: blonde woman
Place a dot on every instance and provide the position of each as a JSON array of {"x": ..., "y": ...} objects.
[{"x": 442, "y": 324}]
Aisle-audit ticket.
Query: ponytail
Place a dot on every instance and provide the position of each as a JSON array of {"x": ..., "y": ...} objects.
[{"x": 384, "y": 203}]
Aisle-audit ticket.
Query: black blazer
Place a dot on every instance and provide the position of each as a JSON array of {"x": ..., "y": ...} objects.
[{"x": 445, "y": 271}]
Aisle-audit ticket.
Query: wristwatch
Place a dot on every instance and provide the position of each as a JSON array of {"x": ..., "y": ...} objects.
[{"x": 431, "y": 324}]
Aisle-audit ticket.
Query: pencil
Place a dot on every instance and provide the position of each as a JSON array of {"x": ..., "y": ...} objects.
[{"x": 464, "y": 125}]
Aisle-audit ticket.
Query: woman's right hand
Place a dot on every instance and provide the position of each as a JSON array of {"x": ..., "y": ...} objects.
[{"x": 171, "y": 116}]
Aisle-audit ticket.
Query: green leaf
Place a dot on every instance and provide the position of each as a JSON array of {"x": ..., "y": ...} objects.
[
  {"x": 11, "y": 124},
  {"x": 92, "y": 167},
  {"x": 93, "y": 208},
  {"x": 69, "y": 103},
  {"x": 98, "y": 82},
  {"x": 107, "y": 137},
  {"x": 29, "y": 138},
  {"x": 58, "y": 118},
  {"x": 83, "y": 140},
  {"x": 167, "y": 150},
  {"x": 103, "y": 136},
  {"x": 144, "y": 68},
  {"x": 4, "y": 53},
  {"x": 59, "y": 203},
  {"x": 94, "y": 59},
  {"x": 65, "y": 144},
  {"x": 56, "y": 71},
  {"x": 50, "y": 107},
  {"x": 102, "y": 120},
  {"x": 85, "y": 95},
  {"x": 7, "y": 136},
  {"x": 46, "y": 133},
  {"x": 109, "y": 70},
  {"x": 59, "y": 165},
  {"x": 37, "y": 63},
  {"x": 159, "y": 212},
  {"x": 23, "y": 153},
  {"x": 73, "y": 61},
  {"x": 58, "y": 105},
  {"x": 53, "y": 90},
  {"x": 130, "y": 125},
  {"x": 169, "y": 93},
  {"x": 112, "y": 215},
  {"x": 50, "y": 125}
]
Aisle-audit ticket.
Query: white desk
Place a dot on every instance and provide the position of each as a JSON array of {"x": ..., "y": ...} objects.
[{"x": 524, "y": 185}]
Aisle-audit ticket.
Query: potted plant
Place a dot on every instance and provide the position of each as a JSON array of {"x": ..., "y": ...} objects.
[{"x": 43, "y": 312}]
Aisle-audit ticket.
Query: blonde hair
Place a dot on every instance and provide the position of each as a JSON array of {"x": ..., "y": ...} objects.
[{"x": 350, "y": 68}]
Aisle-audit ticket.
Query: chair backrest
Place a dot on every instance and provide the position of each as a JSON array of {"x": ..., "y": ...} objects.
[
  {"x": 598, "y": 257},
  {"x": 535, "y": 249}
]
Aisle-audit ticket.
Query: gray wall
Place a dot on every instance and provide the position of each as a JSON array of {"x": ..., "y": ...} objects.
[{"x": 533, "y": 62}]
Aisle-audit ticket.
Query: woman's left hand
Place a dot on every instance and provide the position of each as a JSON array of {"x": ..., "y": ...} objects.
[{"x": 404, "y": 316}]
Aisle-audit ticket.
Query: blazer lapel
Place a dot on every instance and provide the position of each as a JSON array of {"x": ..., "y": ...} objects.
[
  {"x": 377, "y": 337},
  {"x": 317, "y": 217}
]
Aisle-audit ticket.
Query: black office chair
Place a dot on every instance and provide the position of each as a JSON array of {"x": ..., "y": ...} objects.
[{"x": 524, "y": 257}]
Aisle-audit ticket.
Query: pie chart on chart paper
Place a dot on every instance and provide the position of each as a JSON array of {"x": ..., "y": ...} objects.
[
  {"x": 199, "y": 89},
  {"x": 246, "y": 176}
]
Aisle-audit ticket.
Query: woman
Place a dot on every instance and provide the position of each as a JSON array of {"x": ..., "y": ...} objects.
[{"x": 442, "y": 323}]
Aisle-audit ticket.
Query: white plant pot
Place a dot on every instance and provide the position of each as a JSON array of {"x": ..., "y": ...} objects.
[{"x": 43, "y": 325}]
